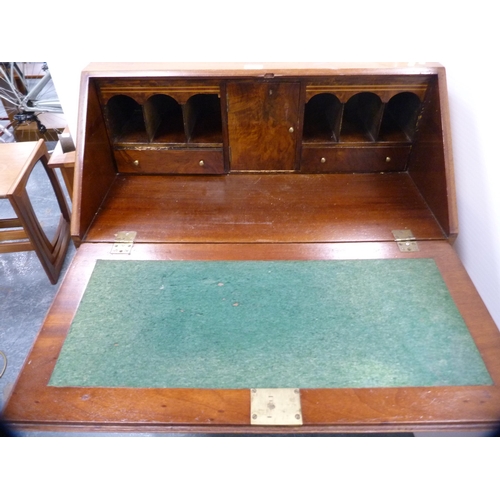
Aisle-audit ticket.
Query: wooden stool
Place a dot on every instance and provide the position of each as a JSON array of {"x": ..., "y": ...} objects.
[{"x": 17, "y": 161}]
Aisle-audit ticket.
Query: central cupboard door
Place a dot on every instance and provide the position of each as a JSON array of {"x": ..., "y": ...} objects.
[{"x": 263, "y": 122}]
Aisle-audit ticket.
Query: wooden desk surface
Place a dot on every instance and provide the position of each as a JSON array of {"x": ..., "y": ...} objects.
[
  {"x": 34, "y": 405},
  {"x": 246, "y": 208}
]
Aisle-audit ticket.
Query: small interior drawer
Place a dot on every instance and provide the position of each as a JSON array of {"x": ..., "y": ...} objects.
[
  {"x": 170, "y": 161},
  {"x": 362, "y": 159}
]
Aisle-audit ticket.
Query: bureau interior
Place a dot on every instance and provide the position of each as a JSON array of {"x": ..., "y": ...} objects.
[{"x": 347, "y": 157}]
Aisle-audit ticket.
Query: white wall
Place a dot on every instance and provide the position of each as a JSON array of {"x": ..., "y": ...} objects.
[{"x": 461, "y": 36}]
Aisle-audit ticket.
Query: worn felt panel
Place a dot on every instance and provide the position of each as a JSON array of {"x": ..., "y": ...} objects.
[{"x": 241, "y": 324}]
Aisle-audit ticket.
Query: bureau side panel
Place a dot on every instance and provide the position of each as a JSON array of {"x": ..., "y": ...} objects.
[
  {"x": 430, "y": 165},
  {"x": 94, "y": 170}
]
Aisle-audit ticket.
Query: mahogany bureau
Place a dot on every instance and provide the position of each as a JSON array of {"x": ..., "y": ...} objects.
[{"x": 235, "y": 162}]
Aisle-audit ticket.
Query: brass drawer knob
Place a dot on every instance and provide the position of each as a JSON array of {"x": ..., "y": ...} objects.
[
  {"x": 387, "y": 159},
  {"x": 201, "y": 163},
  {"x": 323, "y": 160},
  {"x": 136, "y": 163},
  {"x": 291, "y": 130}
]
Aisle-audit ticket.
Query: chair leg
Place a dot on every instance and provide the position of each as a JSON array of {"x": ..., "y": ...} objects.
[{"x": 50, "y": 253}]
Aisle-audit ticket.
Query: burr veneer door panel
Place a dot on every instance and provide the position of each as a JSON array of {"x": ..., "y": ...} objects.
[{"x": 263, "y": 125}]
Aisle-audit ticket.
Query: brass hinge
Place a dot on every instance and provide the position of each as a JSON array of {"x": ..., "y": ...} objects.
[
  {"x": 275, "y": 407},
  {"x": 124, "y": 240},
  {"x": 405, "y": 240}
]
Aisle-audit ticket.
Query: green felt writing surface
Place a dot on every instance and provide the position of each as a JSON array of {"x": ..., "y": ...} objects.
[{"x": 242, "y": 324}]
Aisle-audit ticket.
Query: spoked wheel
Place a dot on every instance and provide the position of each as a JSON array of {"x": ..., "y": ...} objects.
[{"x": 31, "y": 108}]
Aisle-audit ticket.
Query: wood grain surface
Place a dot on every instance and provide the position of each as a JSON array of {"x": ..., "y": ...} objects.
[
  {"x": 263, "y": 121},
  {"x": 247, "y": 208}
]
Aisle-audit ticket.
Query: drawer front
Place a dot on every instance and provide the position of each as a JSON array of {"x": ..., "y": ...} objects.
[
  {"x": 355, "y": 159},
  {"x": 170, "y": 161}
]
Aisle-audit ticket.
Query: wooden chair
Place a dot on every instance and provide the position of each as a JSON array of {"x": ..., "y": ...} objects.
[{"x": 24, "y": 233}]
